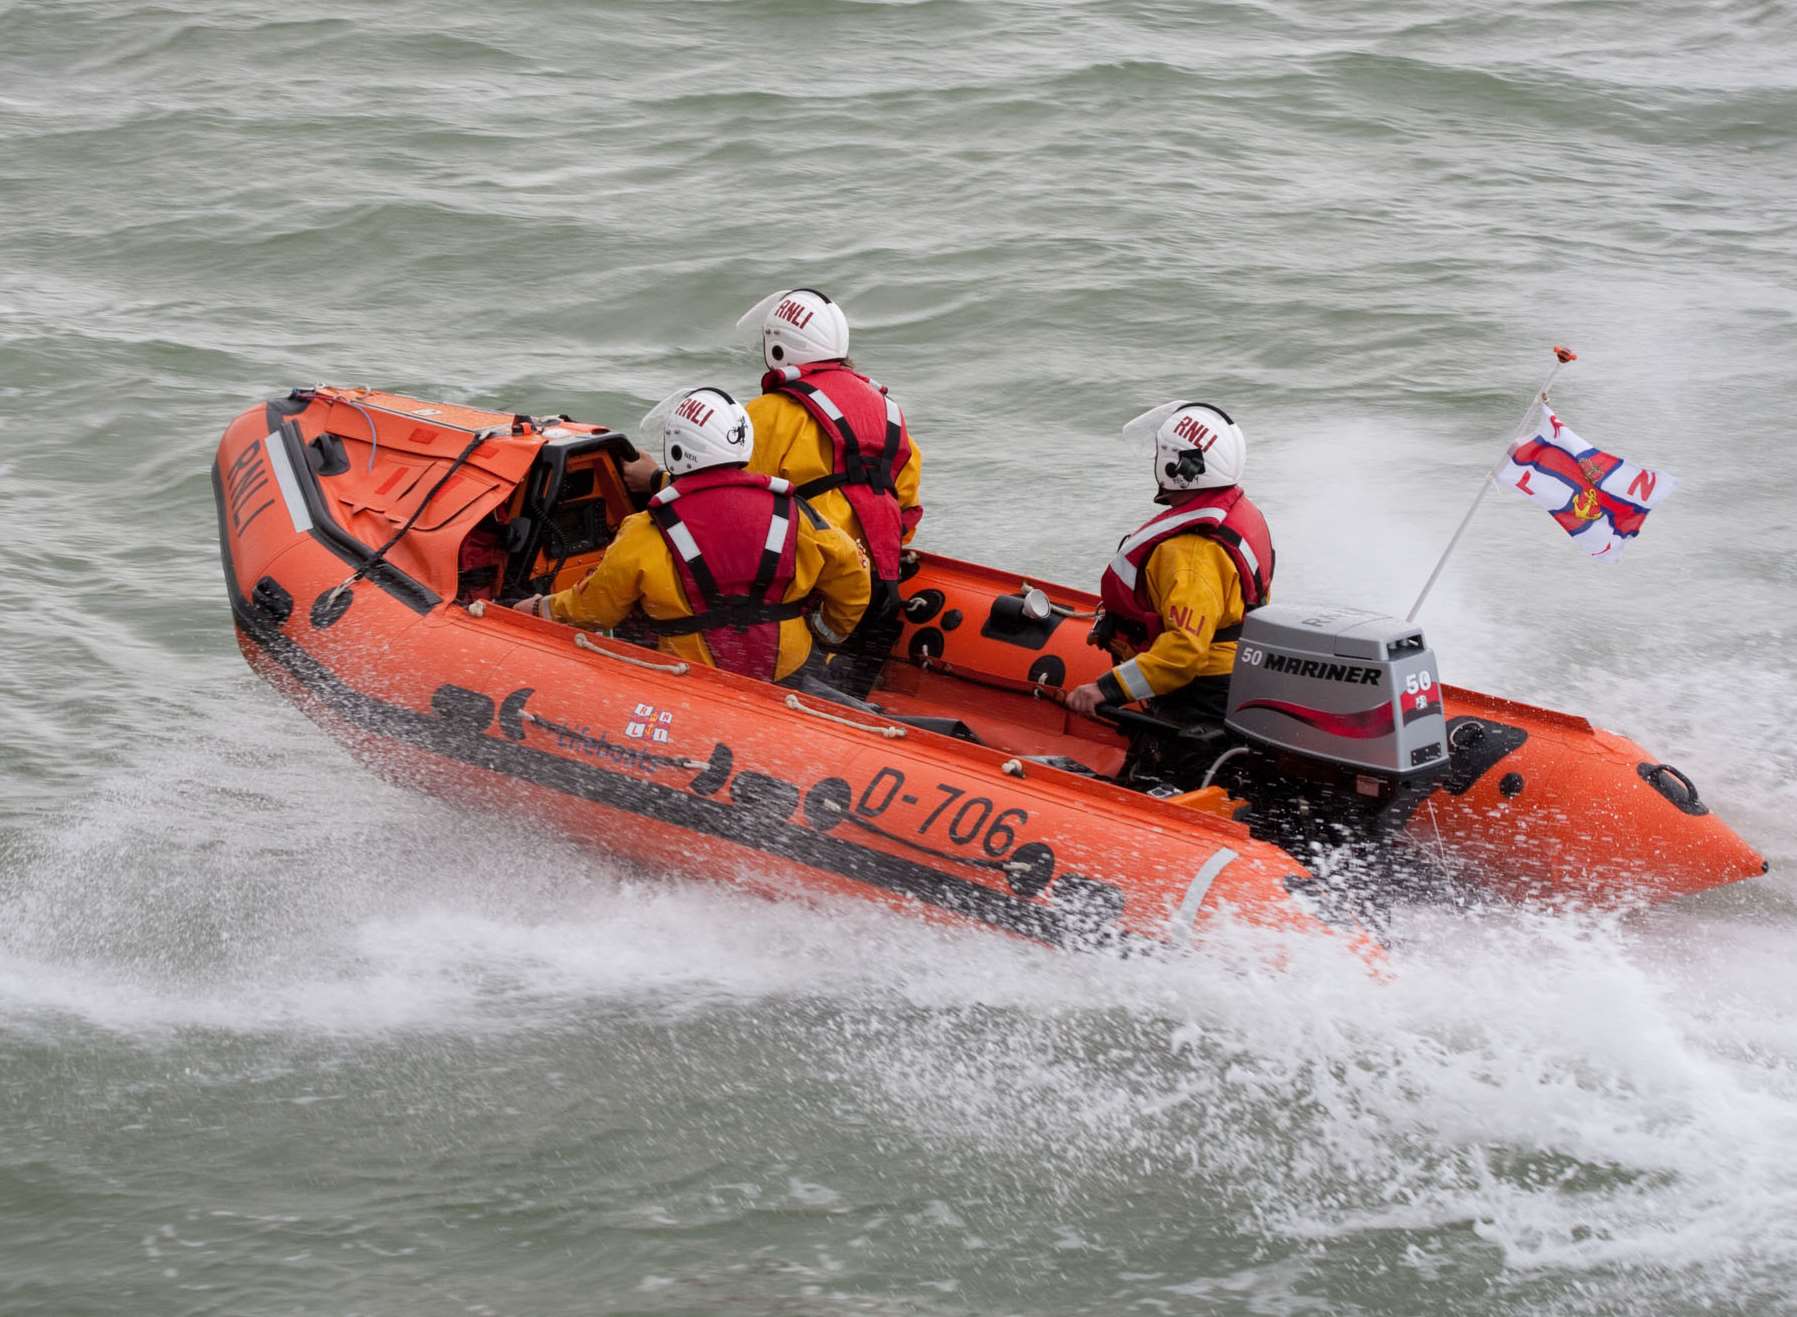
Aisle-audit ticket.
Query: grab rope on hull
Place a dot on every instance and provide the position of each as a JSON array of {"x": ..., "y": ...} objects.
[
  {"x": 679, "y": 669},
  {"x": 889, "y": 732}
]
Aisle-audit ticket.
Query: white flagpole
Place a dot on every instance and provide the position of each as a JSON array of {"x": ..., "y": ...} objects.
[{"x": 1561, "y": 357}]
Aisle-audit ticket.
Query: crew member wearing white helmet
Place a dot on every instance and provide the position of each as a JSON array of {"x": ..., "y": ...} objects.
[
  {"x": 831, "y": 430},
  {"x": 1178, "y": 589},
  {"x": 842, "y": 442},
  {"x": 726, "y": 565},
  {"x": 841, "y": 439}
]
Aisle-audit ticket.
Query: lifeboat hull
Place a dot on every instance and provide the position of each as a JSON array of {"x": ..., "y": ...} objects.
[
  {"x": 683, "y": 769},
  {"x": 1536, "y": 804},
  {"x": 344, "y": 518}
]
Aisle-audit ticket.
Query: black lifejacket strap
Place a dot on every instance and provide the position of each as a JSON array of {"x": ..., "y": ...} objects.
[
  {"x": 667, "y": 519},
  {"x": 718, "y": 609},
  {"x": 856, "y": 470},
  {"x": 894, "y": 433},
  {"x": 770, "y": 557},
  {"x": 731, "y": 611},
  {"x": 1225, "y": 535}
]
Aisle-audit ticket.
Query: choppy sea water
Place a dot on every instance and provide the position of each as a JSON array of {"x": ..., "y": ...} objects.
[{"x": 276, "y": 1037}]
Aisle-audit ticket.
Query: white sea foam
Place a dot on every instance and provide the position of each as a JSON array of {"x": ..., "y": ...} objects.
[{"x": 1578, "y": 1094}]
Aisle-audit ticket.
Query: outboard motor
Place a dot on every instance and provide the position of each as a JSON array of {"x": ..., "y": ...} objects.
[
  {"x": 1342, "y": 686},
  {"x": 1341, "y": 709}
]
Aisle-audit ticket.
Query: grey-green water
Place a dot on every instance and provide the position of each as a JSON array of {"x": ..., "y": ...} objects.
[{"x": 277, "y": 1038}]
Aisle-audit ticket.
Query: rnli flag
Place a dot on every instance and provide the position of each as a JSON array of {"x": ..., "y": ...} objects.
[{"x": 1598, "y": 498}]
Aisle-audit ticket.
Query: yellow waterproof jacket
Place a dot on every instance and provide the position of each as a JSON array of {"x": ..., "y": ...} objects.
[
  {"x": 789, "y": 443},
  {"x": 638, "y": 571},
  {"x": 1194, "y": 588}
]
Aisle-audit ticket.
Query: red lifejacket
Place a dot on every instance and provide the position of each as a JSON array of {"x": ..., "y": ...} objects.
[
  {"x": 1224, "y": 515},
  {"x": 735, "y": 549},
  {"x": 869, "y": 448}
]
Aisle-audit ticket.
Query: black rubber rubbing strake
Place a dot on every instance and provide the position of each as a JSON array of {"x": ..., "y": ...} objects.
[
  {"x": 293, "y": 404},
  {"x": 470, "y": 710},
  {"x": 415, "y": 595},
  {"x": 1084, "y": 913},
  {"x": 761, "y": 794}
]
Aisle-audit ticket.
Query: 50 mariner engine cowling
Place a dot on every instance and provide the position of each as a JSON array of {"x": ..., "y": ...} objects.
[{"x": 1342, "y": 686}]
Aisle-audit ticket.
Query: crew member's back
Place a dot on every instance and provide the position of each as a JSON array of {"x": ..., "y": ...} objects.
[{"x": 726, "y": 565}]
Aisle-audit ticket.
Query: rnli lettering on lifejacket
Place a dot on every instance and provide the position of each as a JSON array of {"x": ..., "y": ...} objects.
[
  {"x": 1351, "y": 673},
  {"x": 794, "y": 313},
  {"x": 693, "y": 409}
]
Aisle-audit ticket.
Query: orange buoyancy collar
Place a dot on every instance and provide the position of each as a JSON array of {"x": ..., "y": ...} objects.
[
  {"x": 1227, "y": 516},
  {"x": 735, "y": 548},
  {"x": 869, "y": 448}
]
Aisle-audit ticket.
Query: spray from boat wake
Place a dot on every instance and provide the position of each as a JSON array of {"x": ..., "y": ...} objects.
[{"x": 1567, "y": 1094}]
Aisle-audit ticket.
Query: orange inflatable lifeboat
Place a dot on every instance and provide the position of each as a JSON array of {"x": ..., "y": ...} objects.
[{"x": 365, "y": 534}]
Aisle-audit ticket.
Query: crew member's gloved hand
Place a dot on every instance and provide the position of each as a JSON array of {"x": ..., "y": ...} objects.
[
  {"x": 536, "y": 606},
  {"x": 1084, "y": 699},
  {"x": 640, "y": 474}
]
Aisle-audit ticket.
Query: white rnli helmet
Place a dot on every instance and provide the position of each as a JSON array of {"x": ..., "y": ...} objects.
[
  {"x": 797, "y": 327},
  {"x": 1196, "y": 445},
  {"x": 700, "y": 428}
]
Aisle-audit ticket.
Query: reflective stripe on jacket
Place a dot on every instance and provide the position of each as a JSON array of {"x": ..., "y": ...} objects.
[
  {"x": 734, "y": 541},
  {"x": 1178, "y": 588},
  {"x": 643, "y": 570}
]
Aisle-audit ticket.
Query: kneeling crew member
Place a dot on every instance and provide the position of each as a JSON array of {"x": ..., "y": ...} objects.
[
  {"x": 832, "y": 431},
  {"x": 841, "y": 439},
  {"x": 842, "y": 442},
  {"x": 724, "y": 564},
  {"x": 1178, "y": 589}
]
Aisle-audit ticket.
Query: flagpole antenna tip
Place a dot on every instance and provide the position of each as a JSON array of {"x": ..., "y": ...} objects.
[{"x": 1565, "y": 354}]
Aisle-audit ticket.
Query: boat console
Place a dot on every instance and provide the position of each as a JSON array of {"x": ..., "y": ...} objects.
[{"x": 566, "y": 510}]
